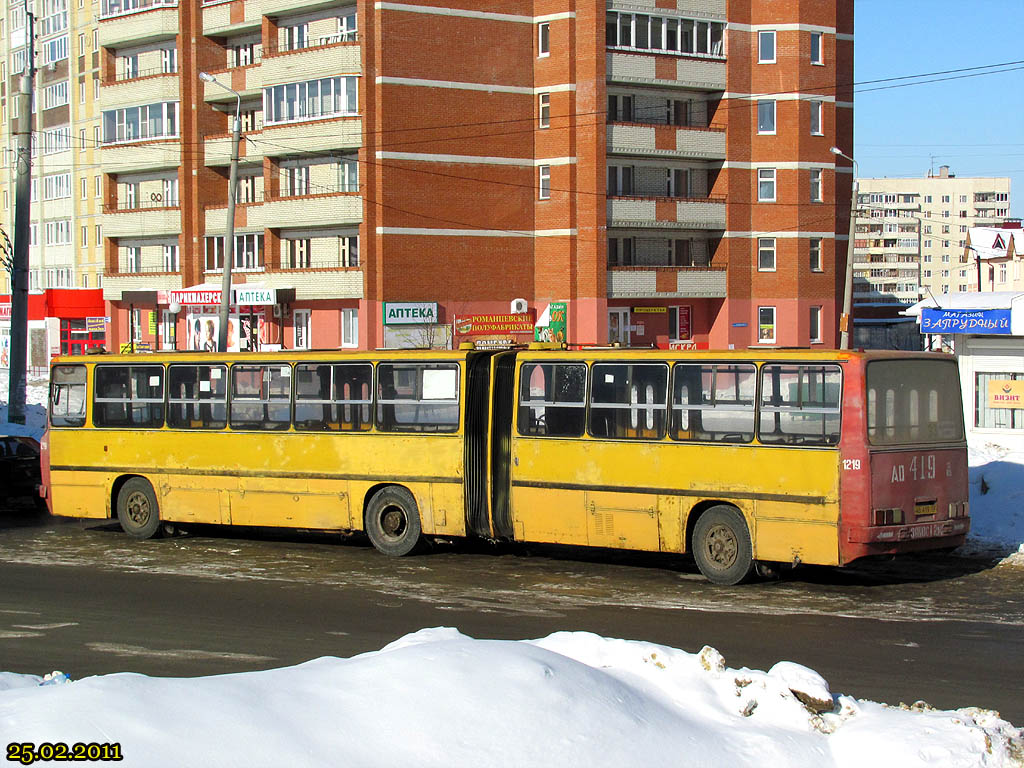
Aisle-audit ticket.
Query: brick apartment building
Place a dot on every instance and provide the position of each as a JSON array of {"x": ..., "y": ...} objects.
[{"x": 664, "y": 171}]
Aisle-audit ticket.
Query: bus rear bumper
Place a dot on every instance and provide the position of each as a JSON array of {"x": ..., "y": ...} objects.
[{"x": 891, "y": 534}]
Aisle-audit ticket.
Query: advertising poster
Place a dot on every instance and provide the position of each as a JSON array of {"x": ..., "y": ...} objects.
[
  {"x": 1006, "y": 393},
  {"x": 204, "y": 329},
  {"x": 496, "y": 330},
  {"x": 552, "y": 323}
]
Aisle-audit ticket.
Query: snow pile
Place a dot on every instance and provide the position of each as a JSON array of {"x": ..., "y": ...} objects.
[
  {"x": 439, "y": 698},
  {"x": 36, "y": 393},
  {"x": 997, "y": 502}
]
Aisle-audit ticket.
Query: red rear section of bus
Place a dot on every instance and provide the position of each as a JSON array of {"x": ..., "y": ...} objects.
[{"x": 904, "y": 484}]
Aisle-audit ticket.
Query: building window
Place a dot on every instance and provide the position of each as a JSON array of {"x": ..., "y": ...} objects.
[
  {"x": 543, "y": 39},
  {"x": 85, "y": 236},
  {"x": 310, "y": 100},
  {"x": 766, "y": 325},
  {"x": 55, "y": 50},
  {"x": 766, "y": 116},
  {"x": 58, "y": 232},
  {"x": 544, "y": 120},
  {"x": 170, "y": 258},
  {"x": 678, "y": 183},
  {"x": 665, "y": 34},
  {"x": 816, "y": 113},
  {"x": 57, "y": 186},
  {"x": 349, "y": 328},
  {"x": 620, "y": 180},
  {"x": 816, "y": 185},
  {"x": 816, "y": 254},
  {"x": 300, "y": 329},
  {"x": 766, "y": 185},
  {"x": 620, "y": 251},
  {"x": 134, "y": 254},
  {"x": 296, "y": 180},
  {"x": 248, "y": 252},
  {"x": 544, "y": 173},
  {"x": 55, "y": 95},
  {"x": 146, "y": 122},
  {"x": 298, "y": 253},
  {"x": 815, "y": 327},
  {"x": 766, "y": 47},
  {"x": 766, "y": 254},
  {"x": 169, "y": 60},
  {"x": 817, "y": 56},
  {"x": 349, "y": 250},
  {"x": 987, "y": 417}
]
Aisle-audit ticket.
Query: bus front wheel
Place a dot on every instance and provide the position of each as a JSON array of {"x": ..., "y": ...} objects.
[
  {"x": 721, "y": 546},
  {"x": 137, "y": 509},
  {"x": 393, "y": 521}
]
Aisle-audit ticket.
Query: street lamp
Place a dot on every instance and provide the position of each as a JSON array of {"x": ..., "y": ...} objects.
[
  {"x": 229, "y": 234},
  {"x": 846, "y": 319},
  {"x": 175, "y": 309}
]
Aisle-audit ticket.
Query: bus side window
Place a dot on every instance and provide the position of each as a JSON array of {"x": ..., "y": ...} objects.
[
  {"x": 129, "y": 395},
  {"x": 197, "y": 396},
  {"x": 713, "y": 402},
  {"x": 800, "y": 404},
  {"x": 418, "y": 397},
  {"x": 628, "y": 400},
  {"x": 552, "y": 399},
  {"x": 332, "y": 397}
]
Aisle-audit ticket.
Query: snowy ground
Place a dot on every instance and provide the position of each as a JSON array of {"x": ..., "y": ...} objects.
[{"x": 439, "y": 698}]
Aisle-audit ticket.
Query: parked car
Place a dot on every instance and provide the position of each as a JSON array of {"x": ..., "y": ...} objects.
[{"x": 19, "y": 469}]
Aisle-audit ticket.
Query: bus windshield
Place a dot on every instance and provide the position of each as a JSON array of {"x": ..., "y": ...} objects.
[{"x": 913, "y": 401}]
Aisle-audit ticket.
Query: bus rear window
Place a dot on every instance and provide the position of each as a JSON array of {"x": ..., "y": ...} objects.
[
  {"x": 914, "y": 401},
  {"x": 67, "y": 396}
]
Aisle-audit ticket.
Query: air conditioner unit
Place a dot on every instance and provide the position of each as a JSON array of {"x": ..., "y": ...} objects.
[{"x": 518, "y": 307}]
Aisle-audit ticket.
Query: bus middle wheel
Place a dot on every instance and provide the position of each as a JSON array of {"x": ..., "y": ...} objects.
[
  {"x": 721, "y": 546},
  {"x": 393, "y": 521},
  {"x": 137, "y": 509}
]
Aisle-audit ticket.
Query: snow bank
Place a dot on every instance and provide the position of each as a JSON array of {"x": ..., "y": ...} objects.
[
  {"x": 997, "y": 502},
  {"x": 439, "y": 698}
]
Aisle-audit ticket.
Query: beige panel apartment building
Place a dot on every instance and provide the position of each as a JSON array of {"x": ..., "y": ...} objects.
[
  {"x": 66, "y": 237},
  {"x": 910, "y": 240}
]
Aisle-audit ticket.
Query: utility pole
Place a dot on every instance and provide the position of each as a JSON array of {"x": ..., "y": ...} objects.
[{"x": 22, "y": 222}]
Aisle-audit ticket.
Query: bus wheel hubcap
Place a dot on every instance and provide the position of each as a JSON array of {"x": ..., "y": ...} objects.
[
  {"x": 392, "y": 522},
  {"x": 721, "y": 546},
  {"x": 138, "y": 508}
]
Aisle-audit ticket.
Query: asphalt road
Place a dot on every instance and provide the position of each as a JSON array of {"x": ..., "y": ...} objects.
[{"x": 82, "y": 597}]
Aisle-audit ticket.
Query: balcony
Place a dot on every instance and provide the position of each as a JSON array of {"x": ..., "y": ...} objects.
[
  {"x": 142, "y": 221},
  {"x": 664, "y": 71},
  {"x": 336, "y": 283},
  {"x": 114, "y": 284},
  {"x": 231, "y": 18},
  {"x": 248, "y": 81},
  {"x": 142, "y": 156},
  {"x": 666, "y": 282},
  {"x": 143, "y": 24},
  {"x": 312, "y": 136},
  {"x": 706, "y": 213},
  {"x": 145, "y": 89},
  {"x": 666, "y": 141},
  {"x": 333, "y": 209},
  {"x": 217, "y": 150},
  {"x": 332, "y": 55}
]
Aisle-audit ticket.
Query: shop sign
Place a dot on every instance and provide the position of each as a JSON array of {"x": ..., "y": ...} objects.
[
  {"x": 193, "y": 297},
  {"x": 5, "y": 311},
  {"x": 649, "y": 310},
  {"x": 1006, "y": 393},
  {"x": 255, "y": 297},
  {"x": 410, "y": 313},
  {"x": 96, "y": 324},
  {"x": 979, "y": 321},
  {"x": 685, "y": 323},
  {"x": 489, "y": 325}
]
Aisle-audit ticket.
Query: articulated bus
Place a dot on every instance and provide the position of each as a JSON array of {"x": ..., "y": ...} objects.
[{"x": 748, "y": 460}]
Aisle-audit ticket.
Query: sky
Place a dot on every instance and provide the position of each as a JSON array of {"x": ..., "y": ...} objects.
[{"x": 974, "y": 125}]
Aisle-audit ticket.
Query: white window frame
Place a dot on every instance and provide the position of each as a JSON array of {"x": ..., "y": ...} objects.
[
  {"x": 544, "y": 182},
  {"x": 816, "y": 183},
  {"x": 544, "y": 110},
  {"x": 766, "y": 113},
  {"x": 774, "y": 325},
  {"x": 815, "y": 319},
  {"x": 817, "y": 117},
  {"x": 820, "y": 37},
  {"x": 767, "y": 176},
  {"x": 765, "y": 246},
  {"x": 543, "y": 39},
  {"x": 815, "y": 248},
  {"x": 307, "y": 326},
  {"x": 762, "y": 36},
  {"x": 349, "y": 328}
]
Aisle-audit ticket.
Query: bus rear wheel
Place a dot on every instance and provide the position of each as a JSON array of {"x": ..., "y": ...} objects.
[
  {"x": 137, "y": 509},
  {"x": 721, "y": 546},
  {"x": 393, "y": 522}
]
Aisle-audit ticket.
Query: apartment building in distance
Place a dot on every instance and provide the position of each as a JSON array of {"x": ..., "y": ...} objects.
[
  {"x": 910, "y": 240},
  {"x": 65, "y": 253},
  {"x": 662, "y": 169}
]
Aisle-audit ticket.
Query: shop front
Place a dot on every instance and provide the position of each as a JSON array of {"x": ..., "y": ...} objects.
[{"x": 61, "y": 321}]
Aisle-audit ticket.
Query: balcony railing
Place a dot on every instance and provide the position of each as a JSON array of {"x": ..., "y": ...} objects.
[
  {"x": 619, "y": 120},
  {"x": 139, "y": 205},
  {"x": 120, "y": 77},
  {"x": 276, "y": 49},
  {"x": 666, "y": 198},
  {"x": 113, "y": 8}
]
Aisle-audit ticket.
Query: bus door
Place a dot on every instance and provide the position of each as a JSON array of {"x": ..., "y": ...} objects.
[{"x": 503, "y": 393}]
